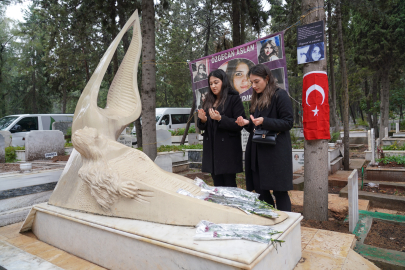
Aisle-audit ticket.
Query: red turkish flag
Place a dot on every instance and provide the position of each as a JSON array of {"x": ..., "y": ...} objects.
[{"x": 315, "y": 92}]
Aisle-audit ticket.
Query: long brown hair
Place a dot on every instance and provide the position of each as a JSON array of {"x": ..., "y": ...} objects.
[{"x": 262, "y": 100}]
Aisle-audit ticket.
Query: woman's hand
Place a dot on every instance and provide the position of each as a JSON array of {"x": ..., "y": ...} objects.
[
  {"x": 214, "y": 114},
  {"x": 257, "y": 121},
  {"x": 241, "y": 122},
  {"x": 202, "y": 115}
]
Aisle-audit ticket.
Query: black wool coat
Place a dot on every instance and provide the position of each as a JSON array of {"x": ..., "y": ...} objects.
[
  {"x": 222, "y": 147},
  {"x": 273, "y": 162}
]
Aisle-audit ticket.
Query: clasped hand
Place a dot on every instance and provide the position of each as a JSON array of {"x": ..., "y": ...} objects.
[
  {"x": 214, "y": 114},
  {"x": 243, "y": 122}
]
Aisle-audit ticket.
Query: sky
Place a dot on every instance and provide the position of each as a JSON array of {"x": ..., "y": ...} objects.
[{"x": 15, "y": 12}]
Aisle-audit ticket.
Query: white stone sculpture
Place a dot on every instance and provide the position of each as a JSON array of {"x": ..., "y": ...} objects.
[{"x": 106, "y": 177}]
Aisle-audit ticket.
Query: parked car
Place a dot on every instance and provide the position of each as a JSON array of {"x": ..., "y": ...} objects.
[
  {"x": 171, "y": 118},
  {"x": 20, "y": 124}
]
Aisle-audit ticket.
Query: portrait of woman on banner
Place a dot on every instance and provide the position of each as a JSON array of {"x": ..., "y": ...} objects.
[
  {"x": 237, "y": 70},
  {"x": 200, "y": 71},
  {"x": 269, "y": 50}
]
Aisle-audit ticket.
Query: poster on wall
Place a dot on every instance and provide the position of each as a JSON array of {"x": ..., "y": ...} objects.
[
  {"x": 237, "y": 61},
  {"x": 310, "y": 43}
]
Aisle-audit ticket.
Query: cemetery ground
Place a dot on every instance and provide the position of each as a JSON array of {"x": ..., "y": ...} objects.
[{"x": 324, "y": 243}]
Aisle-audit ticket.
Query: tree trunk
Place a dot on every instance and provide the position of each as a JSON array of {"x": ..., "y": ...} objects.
[
  {"x": 360, "y": 111},
  {"x": 374, "y": 94},
  {"x": 190, "y": 119},
  {"x": 385, "y": 101},
  {"x": 236, "y": 22},
  {"x": 148, "y": 79},
  {"x": 243, "y": 17},
  {"x": 345, "y": 86},
  {"x": 138, "y": 128},
  {"x": 353, "y": 115},
  {"x": 332, "y": 94},
  {"x": 315, "y": 151},
  {"x": 64, "y": 100},
  {"x": 34, "y": 93},
  {"x": 368, "y": 103},
  {"x": 207, "y": 38}
]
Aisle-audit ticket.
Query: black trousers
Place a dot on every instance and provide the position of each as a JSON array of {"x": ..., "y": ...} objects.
[
  {"x": 282, "y": 199},
  {"x": 224, "y": 180}
]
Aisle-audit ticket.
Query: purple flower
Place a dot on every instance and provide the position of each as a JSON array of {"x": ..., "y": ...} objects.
[
  {"x": 216, "y": 234},
  {"x": 207, "y": 229}
]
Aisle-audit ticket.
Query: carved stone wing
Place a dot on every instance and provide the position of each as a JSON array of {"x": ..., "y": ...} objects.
[{"x": 123, "y": 100}]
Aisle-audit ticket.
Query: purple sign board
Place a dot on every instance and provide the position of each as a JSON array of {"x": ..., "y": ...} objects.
[{"x": 237, "y": 61}]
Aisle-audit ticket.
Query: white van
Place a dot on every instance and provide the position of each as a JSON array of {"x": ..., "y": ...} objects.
[
  {"x": 171, "y": 118},
  {"x": 20, "y": 124}
]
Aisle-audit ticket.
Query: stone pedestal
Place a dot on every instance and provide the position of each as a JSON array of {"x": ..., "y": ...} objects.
[{"x": 118, "y": 243}]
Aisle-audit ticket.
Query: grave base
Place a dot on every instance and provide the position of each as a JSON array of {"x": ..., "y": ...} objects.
[{"x": 117, "y": 243}]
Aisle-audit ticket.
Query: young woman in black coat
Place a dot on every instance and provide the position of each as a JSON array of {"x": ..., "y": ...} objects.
[
  {"x": 269, "y": 167},
  {"x": 222, "y": 148}
]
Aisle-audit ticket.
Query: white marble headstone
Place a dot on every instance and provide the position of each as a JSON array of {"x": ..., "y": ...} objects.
[
  {"x": 193, "y": 138},
  {"x": 386, "y": 132},
  {"x": 163, "y": 137},
  {"x": 372, "y": 146},
  {"x": 38, "y": 143},
  {"x": 353, "y": 192},
  {"x": 396, "y": 127},
  {"x": 125, "y": 139},
  {"x": 164, "y": 162},
  {"x": 7, "y": 137},
  {"x": 369, "y": 140}
]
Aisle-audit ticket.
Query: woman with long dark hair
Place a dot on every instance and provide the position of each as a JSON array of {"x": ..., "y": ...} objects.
[
  {"x": 315, "y": 53},
  {"x": 269, "y": 167},
  {"x": 237, "y": 72},
  {"x": 222, "y": 148},
  {"x": 268, "y": 52}
]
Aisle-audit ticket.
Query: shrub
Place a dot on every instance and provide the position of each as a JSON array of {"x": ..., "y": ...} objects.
[
  {"x": 180, "y": 131},
  {"x": 398, "y": 159},
  {"x": 334, "y": 137},
  {"x": 394, "y": 146},
  {"x": 361, "y": 122},
  {"x": 11, "y": 155}
]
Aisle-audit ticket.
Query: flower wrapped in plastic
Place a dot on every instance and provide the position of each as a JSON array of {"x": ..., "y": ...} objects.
[
  {"x": 244, "y": 200},
  {"x": 210, "y": 231}
]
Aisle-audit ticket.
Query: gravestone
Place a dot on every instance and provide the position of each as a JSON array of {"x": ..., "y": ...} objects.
[
  {"x": 369, "y": 140},
  {"x": 164, "y": 162},
  {"x": 125, "y": 139},
  {"x": 372, "y": 147},
  {"x": 7, "y": 137},
  {"x": 386, "y": 132},
  {"x": 396, "y": 127},
  {"x": 244, "y": 139},
  {"x": 2, "y": 149},
  {"x": 353, "y": 194},
  {"x": 193, "y": 138},
  {"x": 163, "y": 137},
  {"x": 62, "y": 126},
  {"x": 42, "y": 144}
]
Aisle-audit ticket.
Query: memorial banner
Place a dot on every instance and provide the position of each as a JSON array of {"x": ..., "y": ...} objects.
[{"x": 237, "y": 61}]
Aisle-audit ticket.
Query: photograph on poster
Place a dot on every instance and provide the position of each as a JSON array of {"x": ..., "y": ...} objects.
[
  {"x": 311, "y": 53},
  {"x": 269, "y": 50},
  {"x": 237, "y": 70},
  {"x": 200, "y": 70},
  {"x": 278, "y": 75},
  {"x": 200, "y": 96}
]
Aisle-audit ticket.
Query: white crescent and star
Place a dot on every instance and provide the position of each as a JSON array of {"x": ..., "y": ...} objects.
[{"x": 318, "y": 88}]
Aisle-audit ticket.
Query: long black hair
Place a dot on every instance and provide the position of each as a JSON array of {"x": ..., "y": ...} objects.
[
  {"x": 320, "y": 45},
  {"x": 210, "y": 98}
]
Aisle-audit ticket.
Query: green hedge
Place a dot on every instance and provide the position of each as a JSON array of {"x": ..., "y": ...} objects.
[
  {"x": 11, "y": 155},
  {"x": 180, "y": 131}
]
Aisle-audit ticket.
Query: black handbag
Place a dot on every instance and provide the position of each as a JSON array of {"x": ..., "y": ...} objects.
[{"x": 264, "y": 136}]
